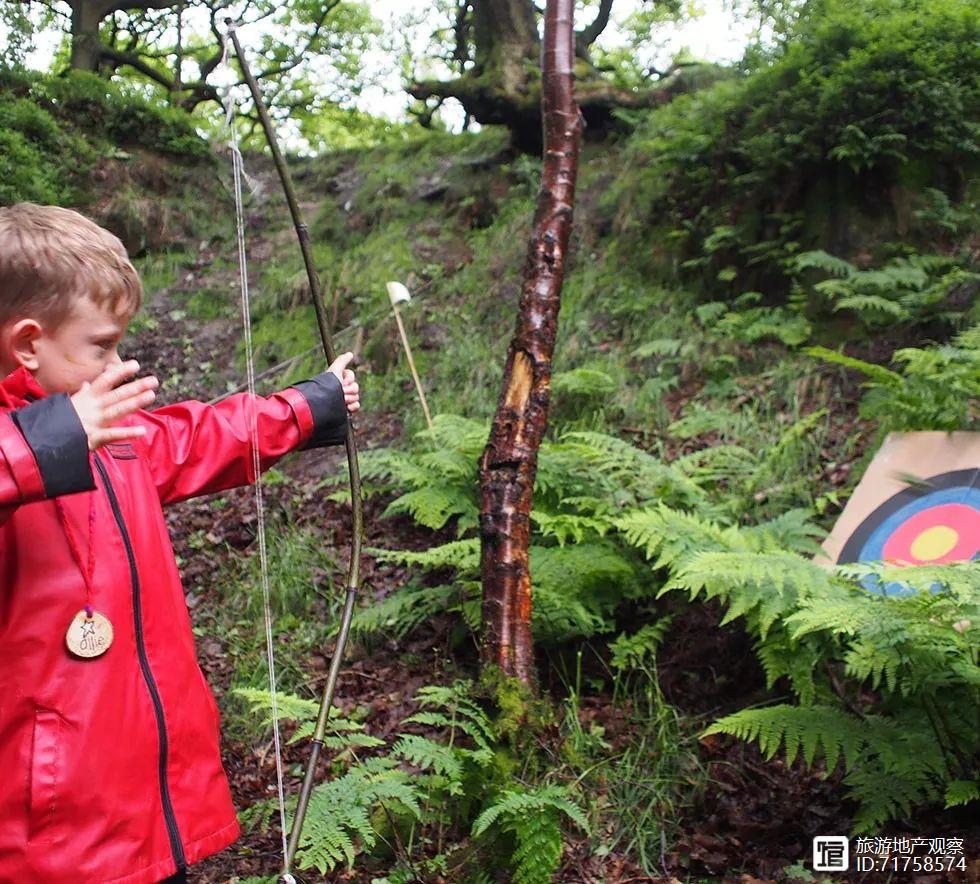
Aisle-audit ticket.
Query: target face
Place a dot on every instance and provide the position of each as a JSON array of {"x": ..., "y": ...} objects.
[{"x": 931, "y": 523}]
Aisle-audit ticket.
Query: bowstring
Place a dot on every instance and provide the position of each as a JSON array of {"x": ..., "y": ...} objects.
[{"x": 238, "y": 175}]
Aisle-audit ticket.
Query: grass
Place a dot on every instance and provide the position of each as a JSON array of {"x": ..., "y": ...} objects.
[
  {"x": 638, "y": 789},
  {"x": 304, "y": 602}
]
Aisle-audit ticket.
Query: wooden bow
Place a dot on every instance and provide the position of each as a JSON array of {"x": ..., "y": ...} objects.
[{"x": 357, "y": 505}]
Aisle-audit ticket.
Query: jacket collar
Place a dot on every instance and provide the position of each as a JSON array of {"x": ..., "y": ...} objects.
[{"x": 20, "y": 387}]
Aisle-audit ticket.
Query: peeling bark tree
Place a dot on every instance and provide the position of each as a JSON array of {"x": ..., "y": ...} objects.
[{"x": 510, "y": 459}]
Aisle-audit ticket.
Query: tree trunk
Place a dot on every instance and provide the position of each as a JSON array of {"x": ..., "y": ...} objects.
[
  {"x": 502, "y": 86},
  {"x": 507, "y": 47},
  {"x": 86, "y": 48},
  {"x": 510, "y": 459}
]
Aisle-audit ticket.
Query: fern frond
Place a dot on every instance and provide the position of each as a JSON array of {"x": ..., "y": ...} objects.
[
  {"x": 289, "y": 706},
  {"x": 797, "y": 661},
  {"x": 767, "y": 585},
  {"x": 798, "y": 730},
  {"x": 582, "y": 382},
  {"x": 875, "y": 304},
  {"x": 628, "y": 467},
  {"x": 670, "y": 537},
  {"x": 877, "y": 373},
  {"x": 338, "y": 823},
  {"x": 818, "y": 259},
  {"x": 426, "y": 754},
  {"x": 257, "y": 817},
  {"x": 961, "y": 792},
  {"x": 434, "y": 505},
  {"x": 557, "y": 617},
  {"x": 459, "y": 554},
  {"x": 404, "y": 610},
  {"x": 719, "y": 463},
  {"x": 565, "y": 527},
  {"x": 640, "y": 648},
  {"x": 516, "y": 803},
  {"x": 792, "y": 531}
]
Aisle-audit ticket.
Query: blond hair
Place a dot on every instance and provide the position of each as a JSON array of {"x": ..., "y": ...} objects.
[{"x": 50, "y": 258}]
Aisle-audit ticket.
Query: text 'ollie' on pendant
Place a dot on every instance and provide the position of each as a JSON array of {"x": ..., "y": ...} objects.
[{"x": 89, "y": 636}]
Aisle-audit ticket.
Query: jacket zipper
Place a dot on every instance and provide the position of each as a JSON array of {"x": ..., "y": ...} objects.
[{"x": 176, "y": 847}]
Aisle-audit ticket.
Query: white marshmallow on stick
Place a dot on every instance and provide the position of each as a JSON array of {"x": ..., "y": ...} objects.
[{"x": 399, "y": 294}]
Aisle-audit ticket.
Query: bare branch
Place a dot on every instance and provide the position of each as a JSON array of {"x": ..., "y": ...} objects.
[
  {"x": 199, "y": 91},
  {"x": 461, "y": 31},
  {"x": 586, "y": 37},
  {"x": 128, "y": 5},
  {"x": 300, "y": 56}
]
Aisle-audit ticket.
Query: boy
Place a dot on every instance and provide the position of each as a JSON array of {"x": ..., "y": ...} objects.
[{"x": 108, "y": 731}]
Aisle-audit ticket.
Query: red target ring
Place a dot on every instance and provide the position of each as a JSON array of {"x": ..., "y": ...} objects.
[{"x": 948, "y": 532}]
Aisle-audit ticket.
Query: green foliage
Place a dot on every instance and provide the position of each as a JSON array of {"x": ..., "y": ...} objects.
[
  {"x": 532, "y": 816},
  {"x": 937, "y": 387},
  {"x": 339, "y": 825},
  {"x": 440, "y": 780},
  {"x": 906, "y": 289},
  {"x": 632, "y": 651},
  {"x": 579, "y": 576},
  {"x": 54, "y": 129},
  {"x": 859, "y": 97},
  {"x": 918, "y": 737}
]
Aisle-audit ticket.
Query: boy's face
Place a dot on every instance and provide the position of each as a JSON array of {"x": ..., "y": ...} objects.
[{"x": 78, "y": 350}]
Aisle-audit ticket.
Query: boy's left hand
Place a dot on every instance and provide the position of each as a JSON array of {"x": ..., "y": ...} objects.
[{"x": 347, "y": 380}]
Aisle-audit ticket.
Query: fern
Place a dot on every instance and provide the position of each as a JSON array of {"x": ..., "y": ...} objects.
[
  {"x": 763, "y": 587},
  {"x": 533, "y": 817},
  {"x": 821, "y": 260},
  {"x": 670, "y": 537},
  {"x": 404, "y": 610},
  {"x": 577, "y": 588},
  {"x": 434, "y": 506},
  {"x": 798, "y": 731},
  {"x": 574, "y": 527},
  {"x": 584, "y": 382},
  {"x": 338, "y": 823},
  {"x": 639, "y": 649},
  {"x": 961, "y": 792},
  {"x": 936, "y": 389},
  {"x": 915, "y": 652},
  {"x": 891, "y": 765},
  {"x": 874, "y": 309},
  {"x": 342, "y": 732},
  {"x": 909, "y": 288},
  {"x": 258, "y": 816},
  {"x": 461, "y": 554},
  {"x": 597, "y": 464}
]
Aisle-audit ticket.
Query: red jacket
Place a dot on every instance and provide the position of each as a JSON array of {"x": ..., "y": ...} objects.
[{"x": 110, "y": 766}]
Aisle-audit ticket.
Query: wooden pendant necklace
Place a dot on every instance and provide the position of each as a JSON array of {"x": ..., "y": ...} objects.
[{"x": 90, "y": 632}]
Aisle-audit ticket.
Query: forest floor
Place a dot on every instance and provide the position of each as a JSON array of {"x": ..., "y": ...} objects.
[{"x": 753, "y": 818}]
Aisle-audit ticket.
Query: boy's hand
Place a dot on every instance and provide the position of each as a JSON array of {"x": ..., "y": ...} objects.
[
  {"x": 101, "y": 403},
  {"x": 348, "y": 381}
]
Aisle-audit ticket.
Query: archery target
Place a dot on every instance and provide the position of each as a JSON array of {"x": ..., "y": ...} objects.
[{"x": 932, "y": 522}]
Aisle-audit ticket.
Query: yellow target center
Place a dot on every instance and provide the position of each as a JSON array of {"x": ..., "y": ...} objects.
[{"x": 934, "y": 543}]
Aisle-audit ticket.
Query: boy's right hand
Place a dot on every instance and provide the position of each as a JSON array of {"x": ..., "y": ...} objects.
[{"x": 101, "y": 403}]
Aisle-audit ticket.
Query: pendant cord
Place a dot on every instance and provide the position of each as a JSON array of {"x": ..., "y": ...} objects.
[{"x": 256, "y": 477}]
